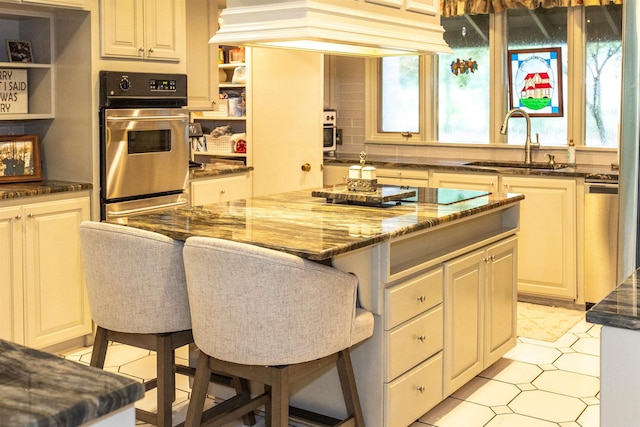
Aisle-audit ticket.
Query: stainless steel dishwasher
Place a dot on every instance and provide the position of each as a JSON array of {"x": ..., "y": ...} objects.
[{"x": 600, "y": 238}]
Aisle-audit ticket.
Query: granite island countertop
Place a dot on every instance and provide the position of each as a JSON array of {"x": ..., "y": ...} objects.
[
  {"x": 621, "y": 308},
  {"x": 310, "y": 227},
  {"x": 41, "y": 389}
]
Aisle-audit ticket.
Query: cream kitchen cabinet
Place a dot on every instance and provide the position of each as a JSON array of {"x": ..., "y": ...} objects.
[
  {"x": 43, "y": 299},
  {"x": 465, "y": 181},
  {"x": 220, "y": 189},
  {"x": 334, "y": 174},
  {"x": 480, "y": 311},
  {"x": 403, "y": 177},
  {"x": 547, "y": 259},
  {"x": 143, "y": 29},
  {"x": 202, "y": 58}
]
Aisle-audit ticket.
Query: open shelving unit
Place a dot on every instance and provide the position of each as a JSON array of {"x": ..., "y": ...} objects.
[
  {"x": 36, "y": 28},
  {"x": 220, "y": 116}
]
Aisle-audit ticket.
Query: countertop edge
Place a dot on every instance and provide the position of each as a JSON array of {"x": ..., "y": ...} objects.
[
  {"x": 198, "y": 173},
  {"x": 41, "y": 188},
  {"x": 620, "y": 308},
  {"x": 580, "y": 171},
  {"x": 82, "y": 393},
  {"x": 620, "y": 321}
]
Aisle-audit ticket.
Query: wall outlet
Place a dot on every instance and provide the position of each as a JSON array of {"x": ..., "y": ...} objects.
[{"x": 338, "y": 136}]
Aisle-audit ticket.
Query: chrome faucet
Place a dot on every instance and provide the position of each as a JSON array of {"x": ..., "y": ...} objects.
[{"x": 527, "y": 142}]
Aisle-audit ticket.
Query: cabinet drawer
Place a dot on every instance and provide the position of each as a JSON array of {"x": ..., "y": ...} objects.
[
  {"x": 403, "y": 173},
  {"x": 223, "y": 189},
  {"x": 413, "y": 394},
  {"x": 414, "y": 341},
  {"x": 412, "y": 297}
]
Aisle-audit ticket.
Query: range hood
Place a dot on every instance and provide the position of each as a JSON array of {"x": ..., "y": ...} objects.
[{"x": 342, "y": 27}]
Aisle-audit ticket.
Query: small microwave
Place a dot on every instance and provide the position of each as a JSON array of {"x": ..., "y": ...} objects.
[{"x": 329, "y": 129}]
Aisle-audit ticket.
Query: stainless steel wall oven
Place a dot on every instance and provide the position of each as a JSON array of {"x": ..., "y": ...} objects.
[{"x": 144, "y": 146}]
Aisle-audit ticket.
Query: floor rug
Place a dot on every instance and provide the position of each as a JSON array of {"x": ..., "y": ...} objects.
[{"x": 546, "y": 323}]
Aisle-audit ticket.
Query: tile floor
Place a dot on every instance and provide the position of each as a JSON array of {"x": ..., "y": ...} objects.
[{"x": 537, "y": 384}]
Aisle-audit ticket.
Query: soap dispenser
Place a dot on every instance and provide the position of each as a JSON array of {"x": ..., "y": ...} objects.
[{"x": 571, "y": 154}]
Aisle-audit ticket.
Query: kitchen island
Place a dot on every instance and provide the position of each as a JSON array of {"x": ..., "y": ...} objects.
[
  {"x": 439, "y": 275},
  {"x": 619, "y": 315}
]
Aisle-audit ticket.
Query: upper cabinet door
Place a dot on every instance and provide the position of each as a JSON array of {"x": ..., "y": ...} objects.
[
  {"x": 142, "y": 29},
  {"x": 164, "y": 23},
  {"x": 61, "y": 3},
  {"x": 121, "y": 28},
  {"x": 429, "y": 7}
]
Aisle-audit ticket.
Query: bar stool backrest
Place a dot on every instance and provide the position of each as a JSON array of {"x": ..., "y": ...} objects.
[
  {"x": 257, "y": 306},
  {"x": 135, "y": 279}
]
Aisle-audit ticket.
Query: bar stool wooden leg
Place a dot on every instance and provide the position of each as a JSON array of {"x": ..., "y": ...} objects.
[
  {"x": 166, "y": 380},
  {"x": 199, "y": 391},
  {"x": 277, "y": 410},
  {"x": 349, "y": 388},
  {"x": 241, "y": 386},
  {"x": 99, "y": 352}
]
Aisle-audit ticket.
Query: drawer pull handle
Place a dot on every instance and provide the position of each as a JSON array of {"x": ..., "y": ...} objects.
[
  {"x": 18, "y": 216},
  {"x": 421, "y": 389},
  {"x": 422, "y": 298},
  {"x": 422, "y": 338}
]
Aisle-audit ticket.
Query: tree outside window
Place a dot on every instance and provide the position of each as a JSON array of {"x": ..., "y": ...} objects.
[
  {"x": 463, "y": 92},
  {"x": 603, "y": 75}
]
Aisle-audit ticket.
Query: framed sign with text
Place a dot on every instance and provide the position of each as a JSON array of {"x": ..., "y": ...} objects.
[{"x": 14, "y": 91}]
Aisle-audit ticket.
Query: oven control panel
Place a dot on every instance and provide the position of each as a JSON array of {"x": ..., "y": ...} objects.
[
  {"x": 158, "y": 84},
  {"x": 122, "y": 89}
]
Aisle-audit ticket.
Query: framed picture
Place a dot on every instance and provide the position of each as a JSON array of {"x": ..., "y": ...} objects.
[
  {"x": 20, "y": 158},
  {"x": 19, "y": 51},
  {"x": 535, "y": 81}
]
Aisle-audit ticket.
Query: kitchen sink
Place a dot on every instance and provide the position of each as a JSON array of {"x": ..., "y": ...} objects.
[{"x": 522, "y": 165}]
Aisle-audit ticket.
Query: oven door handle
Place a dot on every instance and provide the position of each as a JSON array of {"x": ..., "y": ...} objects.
[
  {"x": 127, "y": 212},
  {"x": 147, "y": 118}
]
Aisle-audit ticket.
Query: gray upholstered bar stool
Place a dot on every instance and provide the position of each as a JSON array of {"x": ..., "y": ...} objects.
[
  {"x": 138, "y": 296},
  {"x": 273, "y": 318}
]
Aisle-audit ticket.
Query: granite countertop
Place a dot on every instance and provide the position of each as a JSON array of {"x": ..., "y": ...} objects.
[
  {"x": 310, "y": 227},
  {"x": 621, "y": 308},
  {"x": 579, "y": 171},
  {"x": 27, "y": 189},
  {"x": 41, "y": 389},
  {"x": 217, "y": 170}
]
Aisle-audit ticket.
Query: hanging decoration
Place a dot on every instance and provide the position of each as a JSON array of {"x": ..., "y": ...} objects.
[{"x": 464, "y": 66}]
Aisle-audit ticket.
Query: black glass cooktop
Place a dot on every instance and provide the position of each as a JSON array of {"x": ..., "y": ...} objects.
[{"x": 446, "y": 196}]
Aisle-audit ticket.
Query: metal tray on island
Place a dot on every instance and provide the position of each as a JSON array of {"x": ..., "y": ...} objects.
[
  {"x": 390, "y": 195},
  {"x": 385, "y": 195}
]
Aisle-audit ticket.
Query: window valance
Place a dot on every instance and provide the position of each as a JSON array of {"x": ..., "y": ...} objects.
[{"x": 474, "y": 7}]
